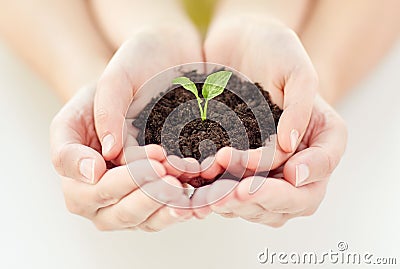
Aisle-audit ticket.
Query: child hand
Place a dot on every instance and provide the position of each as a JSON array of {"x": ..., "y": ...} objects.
[
  {"x": 277, "y": 199},
  {"x": 131, "y": 196},
  {"x": 272, "y": 55},
  {"x": 74, "y": 144},
  {"x": 136, "y": 196},
  {"x": 144, "y": 55}
]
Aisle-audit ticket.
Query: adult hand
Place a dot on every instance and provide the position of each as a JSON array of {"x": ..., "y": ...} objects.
[
  {"x": 295, "y": 189},
  {"x": 132, "y": 196},
  {"x": 271, "y": 54}
]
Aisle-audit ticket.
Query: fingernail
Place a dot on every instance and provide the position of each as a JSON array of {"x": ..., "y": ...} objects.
[
  {"x": 302, "y": 174},
  {"x": 107, "y": 143},
  {"x": 86, "y": 168},
  {"x": 173, "y": 213},
  {"x": 294, "y": 137}
]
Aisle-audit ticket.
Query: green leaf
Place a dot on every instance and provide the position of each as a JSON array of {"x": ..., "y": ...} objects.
[
  {"x": 187, "y": 84},
  {"x": 215, "y": 84}
]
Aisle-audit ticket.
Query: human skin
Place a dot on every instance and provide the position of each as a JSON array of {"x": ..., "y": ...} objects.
[
  {"x": 142, "y": 54},
  {"x": 347, "y": 39},
  {"x": 69, "y": 49},
  {"x": 275, "y": 32},
  {"x": 279, "y": 196},
  {"x": 272, "y": 55},
  {"x": 58, "y": 39},
  {"x": 310, "y": 168},
  {"x": 116, "y": 201},
  {"x": 93, "y": 57}
]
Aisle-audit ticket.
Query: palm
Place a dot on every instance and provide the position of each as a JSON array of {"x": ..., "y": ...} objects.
[
  {"x": 277, "y": 199},
  {"x": 274, "y": 57}
]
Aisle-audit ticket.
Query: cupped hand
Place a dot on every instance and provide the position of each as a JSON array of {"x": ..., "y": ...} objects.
[
  {"x": 271, "y": 54},
  {"x": 74, "y": 144},
  {"x": 130, "y": 196},
  {"x": 148, "y": 52},
  {"x": 139, "y": 195},
  {"x": 295, "y": 189}
]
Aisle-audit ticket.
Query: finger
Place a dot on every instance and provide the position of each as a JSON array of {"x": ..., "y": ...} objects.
[
  {"x": 265, "y": 158},
  {"x": 262, "y": 216},
  {"x": 299, "y": 93},
  {"x": 71, "y": 157},
  {"x": 199, "y": 204},
  {"x": 166, "y": 216},
  {"x": 79, "y": 162},
  {"x": 133, "y": 153},
  {"x": 136, "y": 207},
  {"x": 230, "y": 159},
  {"x": 319, "y": 160},
  {"x": 274, "y": 220},
  {"x": 220, "y": 196},
  {"x": 174, "y": 165},
  {"x": 79, "y": 197},
  {"x": 210, "y": 169},
  {"x": 248, "y": 210},
  {"x": 279, "y": 196},
  {"x": 120, "y": 181},
  {"x": 220, "y": 192},
  {"x": 244, "y": 209},
  {"x": 129, "y": 137},
  {"x": 83, "y": 199},
  {"x": 113, "y": 96},
  {"x": 192, "y": 169}
]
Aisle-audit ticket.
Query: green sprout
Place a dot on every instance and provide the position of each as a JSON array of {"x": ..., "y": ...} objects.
[{"x": 213, "y": 86}]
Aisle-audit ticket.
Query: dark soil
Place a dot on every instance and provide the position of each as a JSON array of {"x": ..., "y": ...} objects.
[{"x": 239, "y": 118}]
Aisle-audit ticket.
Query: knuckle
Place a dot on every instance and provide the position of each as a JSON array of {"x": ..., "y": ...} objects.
[
  {"x": 126, "y": 218},
  {"x": 57, "y": 158},
  {"x": 101, "y": 115},
  {"x": 255, "y": 219},
  {"x": 332, "y": 161},
  {"x": 104, "y": 197},
  {"x": 229, "y": 215},
  {"x": 149, "y": 228}
]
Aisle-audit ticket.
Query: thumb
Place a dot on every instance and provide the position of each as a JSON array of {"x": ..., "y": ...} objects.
[
  {"x": 113, "y": 96},
  {"x": 299, "y": 93},
  {"x": 69, "y": 151},
  {"x": 327, "y": 145}
]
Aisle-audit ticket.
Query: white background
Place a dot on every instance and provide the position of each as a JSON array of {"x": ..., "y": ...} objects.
[{"x": 36, "y": 231}]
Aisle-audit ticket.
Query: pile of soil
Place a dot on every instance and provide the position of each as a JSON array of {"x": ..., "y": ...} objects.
[{"x": 237, "y": 118}]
